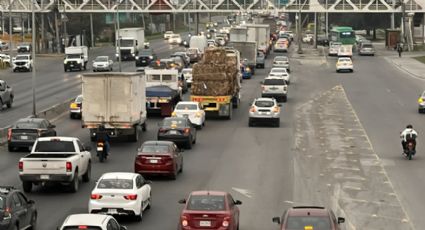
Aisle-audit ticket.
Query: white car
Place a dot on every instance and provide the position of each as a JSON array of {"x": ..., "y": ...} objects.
[
  {"x": 192, "y": 110},
  {"x": 91, "y": 221},
  {"x": 175, "y": 39},
  {"x": 22, "y": 62},
  {"x": 282, "y": 62},
  {"x": 333, "y": 48},
  {"x": 102, "y": 63},
  {"x": 187, "y": 73},
  {"x": 282, "y": 73},
  {"x": 168, "y": 34},
  {"x": 121, "y": 193},
  {"x": 344, "y": 63},
  {"x": 308, "y": 38}
]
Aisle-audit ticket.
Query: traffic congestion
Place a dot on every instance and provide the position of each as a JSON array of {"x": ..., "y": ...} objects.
[{"x": 161, "y": 118}]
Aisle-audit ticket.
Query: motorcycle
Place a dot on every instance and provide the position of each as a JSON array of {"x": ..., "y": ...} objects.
[
  {"x": 410, "y": 149},
  {"x": 101, "y": 151}
]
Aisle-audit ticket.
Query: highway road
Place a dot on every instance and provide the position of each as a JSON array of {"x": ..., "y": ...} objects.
[
  {"x": 54, "y": 85},
  {"x": 270, "y": 169}
]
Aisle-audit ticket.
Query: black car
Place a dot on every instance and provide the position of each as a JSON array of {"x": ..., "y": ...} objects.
[
  {"x": 145, "y": 57},
  {"x": 179, "y": 130},
  {"x": 16, "y": 210},
  {"x": 26, "y": 130}
]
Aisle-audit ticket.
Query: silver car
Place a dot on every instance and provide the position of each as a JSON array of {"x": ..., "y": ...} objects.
[
  {"x": 366, "y": 48},
  {"x": 102, "y": 63},
  {"x": 264, "y": 110},
  {"x": 282, "y": 61}
]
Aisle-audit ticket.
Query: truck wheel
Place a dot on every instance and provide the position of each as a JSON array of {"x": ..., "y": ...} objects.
[
  {"x": 27, "y": 185},
  {"x": 75, "y": 183},
  {"x": 1, "y": 105},
  {"x": 85, "y": 67},
  {"x": 9, "y": 104},
  {"x": 189, "y": 144},
  {"x": 230, "y": 113},
  {"x": 86, "y": 176},
  {"x": 144, "y": 127},
  {"x": 134, "y": 137}
]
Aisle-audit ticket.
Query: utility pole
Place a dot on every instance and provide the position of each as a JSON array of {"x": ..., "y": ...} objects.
[
  {"x": 92, "y": 32},
  {"x": 300, "y": 50},
  {"x": 118, "y": 36},
  {"x": 10, "y": 28},
  {"x": 34, "y": 110}
]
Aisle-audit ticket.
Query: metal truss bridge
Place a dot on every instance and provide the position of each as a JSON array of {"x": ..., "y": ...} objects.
[{"x": 211, "y": 6}]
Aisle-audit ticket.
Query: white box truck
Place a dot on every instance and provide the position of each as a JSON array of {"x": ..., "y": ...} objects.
[
  {"x": 132, "y": 39},
  {"x": 76, "y": 57},
  {"x": 238, "y": 34},
  {"x": 259, "y": 33},
  {"x": 199, "y": 42},
  {"x": 117, "y": 100}
]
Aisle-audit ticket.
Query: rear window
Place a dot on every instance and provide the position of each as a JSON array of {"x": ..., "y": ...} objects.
[
  {"x": 367, "y": 46},
  {"x": 300, "y": 222},
  {"x": 27, "y": 125},
  {"x": 187, "y": 72},
  {"x": 82, "y": 227},
  {"x": 274, "y": 82},
  {"x": 206, "y": 202},
  {"x": 55, "y": 146},
  {"x": 264, "y": 103},
  {"x": 79, "y": 99},
  {"x": 281, "y": 59},
  {"x": 174, "y": 122},
  {"x": 115, "y": 184},
  {"x": 186, "y": 107},
  {"x": 155, "y": 149}
]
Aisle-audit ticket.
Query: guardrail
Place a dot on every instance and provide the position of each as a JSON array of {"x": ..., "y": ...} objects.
[{"x": 49, "y": 114}]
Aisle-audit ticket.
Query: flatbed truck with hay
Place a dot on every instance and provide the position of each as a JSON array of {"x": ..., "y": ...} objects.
[{"x": 216, "y": 82}]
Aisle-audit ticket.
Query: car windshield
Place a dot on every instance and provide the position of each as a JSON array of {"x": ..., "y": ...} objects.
[
  {"x": 155, "y": 149},
  {"x": 300, "y": 222},
  {"x": 281, "y": 59},
  {"x": 115, "y": 183},
  {"x": 178, "y": 123},
  {"x": 206, "y": 203},
  {"x": 55, "y": 146},
  {"x": 186, "y": 107},
  {"x": 71, "y": 56},
  {"x": 27, "y": 125},
  {"x": 367, "y": 46},
  {"x": 101, "y": 59},
  {"x": 79, "y": 99},
  {"x": 22, "y": 57},
  {"x": 126, "y": 43},
  {"x": 274, "y": 82},
  {"x": 264, "y": 103},
  {"x": 344, "y": 60},
  {"x": 79, "y": 227}
]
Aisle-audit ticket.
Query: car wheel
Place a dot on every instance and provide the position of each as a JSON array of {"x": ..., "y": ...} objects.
[
  {"x": 194, "y": 140},
  {"x": 9, "y": 104},
  {"x": 94, "y": 70},
  {"x": 34, "y": 221},
  {"x": 27, "y": 185},
  {"x": 277, "y": 123},
  {"x": 75, "y": 183},
  {"x": 173, "y": 176},
  {"x": 12, "y": 149},
  {"x": 140, "y": 216},
  {"x": 14, "y": 70},
  {"x": 87, "y": 175},
  {"x": 189, "y": 144},
  {"x": 144, "y": 127},
  {"x": 71, "y": 115},
  {"x": 337, "y": 71},
  {"x": 285, "y": 98},
  {"x": 181, "y": 167},
  {"x": 16, "y": 227}
]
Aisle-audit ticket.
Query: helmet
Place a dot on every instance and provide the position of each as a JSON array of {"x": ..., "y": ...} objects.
[{"x": 409, "y": 127}]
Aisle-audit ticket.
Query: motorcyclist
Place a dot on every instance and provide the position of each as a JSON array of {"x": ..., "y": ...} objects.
[
  {"x": 408, "y": 134},
  {"x": 103, "y": 135}
]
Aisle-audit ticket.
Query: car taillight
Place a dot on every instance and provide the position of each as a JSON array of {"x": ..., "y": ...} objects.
[
  {"x": 276, "y": 109},
  {"x": 7, "y": 213},
  {"x": 198, "y": 114},
  {"x": 130, "y": 197},
  {"x": 162, "y": 130},
  {"x": 68, "y": 166},
  {"x": 83, "y": 227},
  {"x": 21, "y": 166},
  {"x": 95, "y": 196},
  {"x": 184, "y": 221},
  {"x": 186, "y": 130},
  {"x": 226, "y": 222},
  {"x": 9, "y": 134},
  {"x": 252, "y": 110}
]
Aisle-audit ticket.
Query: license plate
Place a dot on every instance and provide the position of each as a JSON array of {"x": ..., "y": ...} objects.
[
  {"x": 205, "y": 223},
  {"x": 173, "y": 132},
  {"x": 112, "y": 211},
  {"x": 153, "y": 161},
  {"x": 99, "y": 149},
  {"x": 44, "y": 177},
  {"x": 24, "y": 137},
  {"x": 143, "y": 61},
  {"x": 264, "y": 113},
  {"x": 72, "y": 65}
]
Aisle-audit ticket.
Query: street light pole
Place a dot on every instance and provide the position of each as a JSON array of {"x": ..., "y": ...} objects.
[
  {"x": 118, "y": 37},
  {"x": 34, "y": 110},
  {"x": 10, "y": 29},
  {"x": 300, "y": 50}
]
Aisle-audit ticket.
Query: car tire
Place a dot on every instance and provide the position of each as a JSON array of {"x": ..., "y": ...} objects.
[
  {"x": 94, "y": 70},
  {"x": 27, "y": 186},
  {"x": 277, "y": 123},
  {"x": 285, "y": 98},
  {"x": 14, "y": 70},
  {"x": 12, "y": 149},
  {"x": 337, "y": 71},
  {"x": 194, "y": 140},
  {"x": 189, "y": 144},
  {"x": 87, "y": 175},
  {"x": 9, "y": 104},
  {"x": 75, "y": 183},
  {"x": 33, "y": 221},
  {"x": 173, "y": 176},
  {"x": 181, "y": 168},
  {"x": 139, "y": 217},
  {"x": 144, "y": 128}
]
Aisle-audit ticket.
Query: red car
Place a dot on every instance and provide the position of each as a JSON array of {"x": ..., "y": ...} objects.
[
  {"x": 309, "y": 217},
  {"x": 209, "y": 210},
  {"x": 159, "y": 158}
]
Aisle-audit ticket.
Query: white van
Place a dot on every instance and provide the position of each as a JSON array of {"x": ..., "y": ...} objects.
[{"x": 345, "y": 51}]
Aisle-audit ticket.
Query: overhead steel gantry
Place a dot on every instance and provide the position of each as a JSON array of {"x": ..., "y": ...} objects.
[{"x": 212, "y": 6}]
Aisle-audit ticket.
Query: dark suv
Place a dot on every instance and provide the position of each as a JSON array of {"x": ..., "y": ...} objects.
[
  {"x": 309, "y": 217},
  {"x": 16, "y": 211},
  {"x": 145, "y": 57}
]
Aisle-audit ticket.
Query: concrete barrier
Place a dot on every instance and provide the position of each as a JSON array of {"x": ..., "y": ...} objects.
[{"x": 49, "y": 114}]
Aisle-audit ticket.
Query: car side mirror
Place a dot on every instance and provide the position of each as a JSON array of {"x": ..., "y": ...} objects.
[
  {"x": 52, "y": 126},
  {"x": 182, "y": 201},
  {"x": 276, "y": 220},
  {"x": 31, "y": 202},
  {"x": 148, "y": 182},
  {"x": 341, "y": 220},
  {"x": 238, "y": 202},
  {"x": 123, "y": 227},
  {"x": 87, "y": 148},
  {"x": 261, "y": 82}
]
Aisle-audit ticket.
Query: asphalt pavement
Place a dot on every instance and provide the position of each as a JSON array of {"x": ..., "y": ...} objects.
[{"x": 270, "y": 169}]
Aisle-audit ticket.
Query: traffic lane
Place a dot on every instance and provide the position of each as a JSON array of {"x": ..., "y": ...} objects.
[
  {"x": 55, "y": 86},
  {"x": 385, "y": 100}
]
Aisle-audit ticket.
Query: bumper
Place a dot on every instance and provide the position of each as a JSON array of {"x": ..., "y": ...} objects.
[
  {"x": 281, "y": 66},
  {"x": 274, "y": 95},
  {"x": 366, "y": 53},
  {"x": 124, "y": 208},
  {"x": 75, "y": 111},
  {"x": 344, "y": 68},
  {"x": 21, "y": 67},
  {"x": 154, "y": 169},
  {"x": 101, "y": 68},
  {"x": 51, "y": 177},
  {"x": 174, "y": 138},
  {"x": 21, "y": 144},
  {"x": 264, "y": 119},
  {"x": 73, "y": 66},
  {"x": 280, "y": 49}
]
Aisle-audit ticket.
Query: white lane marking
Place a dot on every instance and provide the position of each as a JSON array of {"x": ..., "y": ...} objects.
[{"x": 244, "y": 192}]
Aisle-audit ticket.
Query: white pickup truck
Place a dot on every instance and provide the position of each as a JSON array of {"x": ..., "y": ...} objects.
[{"x": 56, "y": 159}]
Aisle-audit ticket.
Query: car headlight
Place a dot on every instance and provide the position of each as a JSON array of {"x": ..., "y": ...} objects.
[
  {"x": 420, "y": 100},
  {"x": 64, "y": 62},
  {"x": 79, "y": 61},
  {"x": 150, "y": 57},
  {"x": 248, "y": 69},
  {"x": 133, "y": 54}
]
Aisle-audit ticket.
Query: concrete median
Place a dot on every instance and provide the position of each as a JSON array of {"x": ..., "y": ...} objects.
[{"x": 49, "y": 114}]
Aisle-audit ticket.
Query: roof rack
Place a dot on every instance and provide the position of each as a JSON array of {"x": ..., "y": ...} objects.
[{"x": 316, "y": 207}]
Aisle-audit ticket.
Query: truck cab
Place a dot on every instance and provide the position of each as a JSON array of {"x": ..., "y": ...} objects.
[{"x": 128, "y": 48}]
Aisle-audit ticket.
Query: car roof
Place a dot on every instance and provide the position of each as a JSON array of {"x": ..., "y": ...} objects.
[
  {"x": 158, "y": 143},
  {"x": 187, "y": 103},
  {"x": 264, "y": 99},
  {"x": 278, "y": 68},
  {"x": 281, "y": 57},
  {"x": 175, "y": 118},
  {"x": 120, "y": 175},
  {"x": 308, "y": 211},
  {"x": 207, "y": 192},
  {"x": 30, "y": 120},
  {"x": 83, "y": 219},
  {"x": 57, "y": 138}
]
